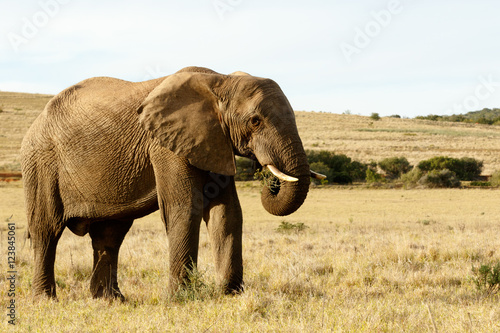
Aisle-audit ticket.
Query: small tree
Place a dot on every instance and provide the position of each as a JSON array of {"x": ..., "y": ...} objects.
[
  {"x": 394, "y": 167},
  {"x": 375, "y": 116}
]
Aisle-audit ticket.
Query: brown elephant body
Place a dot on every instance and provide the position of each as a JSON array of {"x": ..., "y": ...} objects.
[{"x": 106, "y": 151}]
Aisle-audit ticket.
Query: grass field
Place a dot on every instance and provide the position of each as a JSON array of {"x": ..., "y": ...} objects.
[
  {"x": 368, "y": 260},
  {"x": 360, "y": 138}
]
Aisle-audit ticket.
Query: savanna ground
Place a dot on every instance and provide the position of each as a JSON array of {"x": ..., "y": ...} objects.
[{"x": 368, "y": 261}]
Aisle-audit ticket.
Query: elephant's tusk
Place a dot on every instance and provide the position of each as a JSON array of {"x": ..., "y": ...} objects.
[
  {"x": 316, "y": 175},
  {"x": 280, "y": 175}
]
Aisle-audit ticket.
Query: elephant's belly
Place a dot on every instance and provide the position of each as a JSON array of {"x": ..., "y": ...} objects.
[{"x": 80, "y": 215}]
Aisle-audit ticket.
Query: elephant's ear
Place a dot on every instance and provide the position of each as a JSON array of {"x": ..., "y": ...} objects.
[{"x": 183, "y": 114}]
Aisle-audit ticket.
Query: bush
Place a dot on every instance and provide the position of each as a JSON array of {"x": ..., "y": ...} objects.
[
  {"x": 339, "y": 169},
  {"x": 466, "y": 168},
  {"x": 394, "y": 167},
  {"x": 375, "y": 116},
  {"x": 322, "y": 168},
  {"x": 495, "y": 178},
  {"x": 487, "y": 277},
  {"x": 245, "y": 169},
  {"x": 411, "y": 178},
  {"x": 440, "y": 179},
  {"x": 287, "y": 227},
  {"x": 373, "y": 177}
]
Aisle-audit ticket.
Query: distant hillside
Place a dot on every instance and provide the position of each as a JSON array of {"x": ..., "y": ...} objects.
[
  {"x": 484, "y": 116},
  {"x": 361, "y": 138}
]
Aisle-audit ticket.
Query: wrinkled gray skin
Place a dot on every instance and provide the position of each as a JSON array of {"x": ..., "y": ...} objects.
[{"x": 105, "y": 152}]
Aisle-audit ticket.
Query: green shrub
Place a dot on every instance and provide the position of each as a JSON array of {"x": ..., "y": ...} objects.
[
  {"x": 394, "y": 167},
  {"x": 480, "y": 183},
  {"x": 339, "y": 169},
  {"x": 195, "y": 288},
  {"x": 287, "y": 227},
  {"x": 487, "y": 277},
  {"x": 375, "y": 116},
  {"x": 322, "y": 168},
  {"x": 373, "y": 177},
  {"x": 470, "y": 168},
  {"x": 466, "y": 168},
  {"x": 495, "y": 178},
  {"x": 440, "y": 179},
  {"x": 411, "y": 178},
  {"x": 245, "y": 169}
]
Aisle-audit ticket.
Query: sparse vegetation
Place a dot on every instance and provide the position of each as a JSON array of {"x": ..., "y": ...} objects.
[
  {"x": 367, "y": 262},
  {"x": 394, "y": 167},
  {"x": 440, "y": 179},
  {"x": 287, "y": 227},
  {"x": 338, "y": 168},
  {"x": 465, "y": 168},
  {"x": 485, "y": 116},
  {"x": 495, "y": 178},
  {"x": 410, "y": 179},
  {"x": 373, "y": 177},
  {"x": 245, "y": 169},
  {"x": 195, "y": 288},
  {"x": 486, "y": 277}
]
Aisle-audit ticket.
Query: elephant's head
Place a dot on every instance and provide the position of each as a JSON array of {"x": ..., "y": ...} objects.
[{"x": 208, "y": 118}]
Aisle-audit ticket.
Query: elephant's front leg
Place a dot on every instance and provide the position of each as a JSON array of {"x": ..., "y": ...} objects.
[
  {"x": 180, "y": 197},
  {"x": 225, "y": 222}
]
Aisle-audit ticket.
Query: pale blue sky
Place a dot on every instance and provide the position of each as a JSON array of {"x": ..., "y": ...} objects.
[{"x": 406, "y": 57}]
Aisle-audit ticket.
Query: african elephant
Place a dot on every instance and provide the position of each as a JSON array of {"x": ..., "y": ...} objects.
[{"x": 106, "y": 151}]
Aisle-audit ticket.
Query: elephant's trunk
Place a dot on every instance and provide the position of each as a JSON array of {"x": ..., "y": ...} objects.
[{"x": 290, "y": 193}]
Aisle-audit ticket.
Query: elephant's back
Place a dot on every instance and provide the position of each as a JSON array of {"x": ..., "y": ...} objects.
[
  {"x": 105, "y": 94},
  {"x": 91, "y": 135}
]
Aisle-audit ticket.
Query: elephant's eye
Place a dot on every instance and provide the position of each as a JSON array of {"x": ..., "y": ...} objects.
[{"x": 255, "y": 121}]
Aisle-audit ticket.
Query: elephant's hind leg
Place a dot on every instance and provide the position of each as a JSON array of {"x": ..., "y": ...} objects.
[
  {"x": 45, "y": 225},
  {"x": 44, "y": 245},
  {"x": 107, "y": 237}
]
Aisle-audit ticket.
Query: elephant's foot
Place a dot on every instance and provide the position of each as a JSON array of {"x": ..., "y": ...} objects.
[
  {"x": 110, "y": 292},
  {"x": 233, "y": 288},
  {"x": 44, "y": 292}
]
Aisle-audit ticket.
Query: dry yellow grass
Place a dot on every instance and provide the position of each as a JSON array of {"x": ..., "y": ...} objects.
[
  {"x": 18, "y": 111},
  {"x": 358, "y": 137},
  {"x": 369, "y": 261},
  {"x": 365, "y": 140}
]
